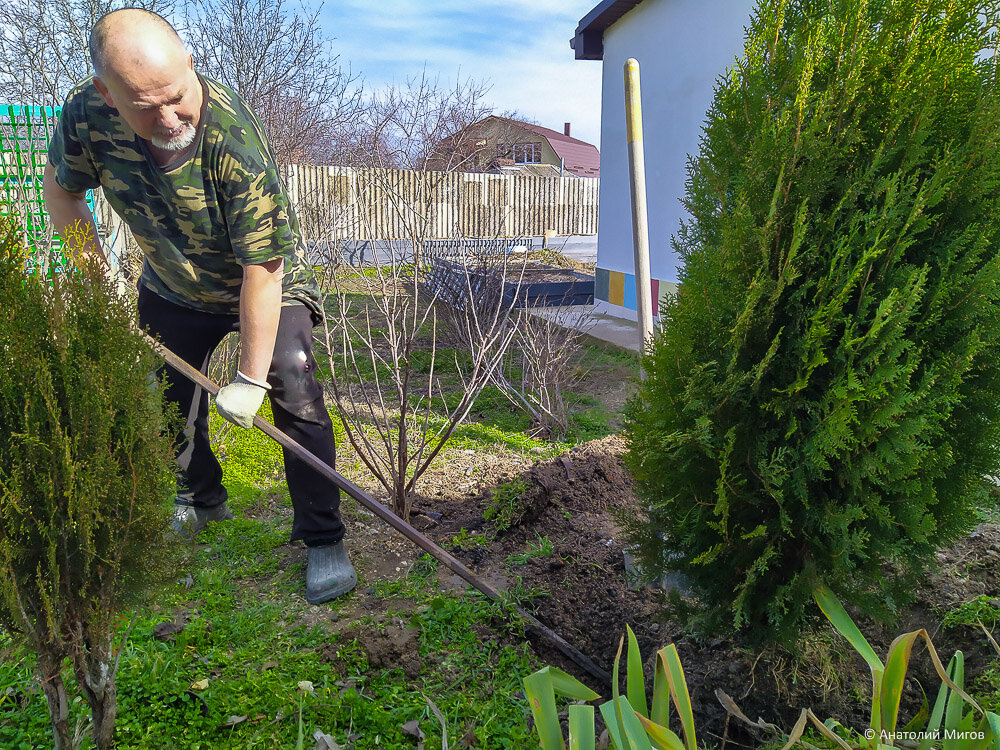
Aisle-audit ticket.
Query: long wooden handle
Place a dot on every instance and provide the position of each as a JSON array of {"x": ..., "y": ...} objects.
[{"x": 532, "y": 624}]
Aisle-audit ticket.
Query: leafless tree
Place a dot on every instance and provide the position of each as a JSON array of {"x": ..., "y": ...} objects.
[
  {"x": 402, "y": 126},
  {"x": 43, "y": 44},
  {"x": 385, "y": 324},
  {"x": 280, "y": 61},
  {"x": 383, "y": 354},
  {"x": 548, "y": 345}
]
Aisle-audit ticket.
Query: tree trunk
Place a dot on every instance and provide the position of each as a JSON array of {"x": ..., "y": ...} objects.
[
  {"x": 50, "y": 675},
  {"x": 97, "y": 679}
]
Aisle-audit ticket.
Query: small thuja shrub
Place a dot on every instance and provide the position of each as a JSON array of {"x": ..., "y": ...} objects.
[
  {"x": 822, "y": 395},
  {"x": 86, "y": 476}
]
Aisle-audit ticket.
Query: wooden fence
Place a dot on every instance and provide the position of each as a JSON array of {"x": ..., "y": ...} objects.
[{"x": 386, "y": 204}]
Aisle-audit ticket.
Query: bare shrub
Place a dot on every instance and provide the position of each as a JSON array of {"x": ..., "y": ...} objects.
[{"x": 547, "y": 349}]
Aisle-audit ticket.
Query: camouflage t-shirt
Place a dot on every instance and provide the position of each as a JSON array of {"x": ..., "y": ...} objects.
[{"x": 200, "y": 221}]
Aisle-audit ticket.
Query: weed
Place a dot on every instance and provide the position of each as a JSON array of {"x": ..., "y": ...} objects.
[
  {"x": 543, "y": 547},
  {"x": 982, "y": 609},
  {"x": 466, "y": 540},
  {"x": 525, "y": 596},
  {"x": 507, "y": 504}
]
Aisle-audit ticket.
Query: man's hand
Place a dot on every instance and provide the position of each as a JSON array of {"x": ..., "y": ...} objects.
[
  {"x": 72, "y": 218},
  {"x": 239, "y": 401},
  {"x": 260, "y": 309}
]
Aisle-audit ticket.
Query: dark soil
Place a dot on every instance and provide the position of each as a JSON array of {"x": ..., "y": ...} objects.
[{"x": 573, "y": 501}]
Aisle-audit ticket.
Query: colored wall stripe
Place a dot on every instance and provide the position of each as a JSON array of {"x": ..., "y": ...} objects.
[
  {"x": 602, "y": 283},
  {"x": 628, "y": 301},
  {"x": 618, "y": 288},
  {"x": 616, "y": 294}
]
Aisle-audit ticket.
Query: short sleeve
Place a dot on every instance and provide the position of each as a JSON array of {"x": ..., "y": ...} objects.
[{"x": 74, "y": 168}]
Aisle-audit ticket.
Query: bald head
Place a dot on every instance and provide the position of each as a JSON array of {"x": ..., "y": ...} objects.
[
  {"x": 126, "y": 39},
  {"x": 143, "y": 71}
]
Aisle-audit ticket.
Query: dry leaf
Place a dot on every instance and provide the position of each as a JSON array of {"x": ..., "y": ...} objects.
[
  {"x": 412, "y": 728},
  {"x": 324, "y": 741},
  {"x": 165, "y": 631},
  {"x": 232, "y": 721}
]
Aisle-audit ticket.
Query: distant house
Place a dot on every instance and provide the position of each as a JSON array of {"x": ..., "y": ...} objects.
[
  {"x": 498, "y": 143},
  {"x": 682, "y": 46}
]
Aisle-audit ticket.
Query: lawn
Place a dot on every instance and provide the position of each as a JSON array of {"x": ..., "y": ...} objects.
[{"x": 229, "y": 655}]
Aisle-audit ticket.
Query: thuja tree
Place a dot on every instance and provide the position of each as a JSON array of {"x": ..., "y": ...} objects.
[
  {"x": 85, "y": 477},
  {"x": 822, "y": 396}
]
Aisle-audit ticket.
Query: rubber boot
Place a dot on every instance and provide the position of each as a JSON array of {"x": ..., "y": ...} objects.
[
  {"x": 329, "y": 573},
  {"x": 188, "y": 520}
]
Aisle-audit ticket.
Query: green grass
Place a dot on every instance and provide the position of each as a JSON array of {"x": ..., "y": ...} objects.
[
  {"x": 244, "y": 643},
  {"x": 244, "y": 633},
  {"x": 240, "y": 599}
]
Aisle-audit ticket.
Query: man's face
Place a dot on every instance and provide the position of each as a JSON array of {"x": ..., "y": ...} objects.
[{"x": 161, "y": 103}]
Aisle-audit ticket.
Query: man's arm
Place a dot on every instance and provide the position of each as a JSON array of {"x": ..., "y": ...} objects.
[
  {"x": 71, "y": 217},
  {"x": 260, "y": 308}
]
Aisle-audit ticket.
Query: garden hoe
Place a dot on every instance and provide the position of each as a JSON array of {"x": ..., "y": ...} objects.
[{"x": 531, "y": 623}]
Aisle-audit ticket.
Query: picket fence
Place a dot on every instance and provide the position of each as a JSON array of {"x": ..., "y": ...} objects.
[{"x": 388, "y": 204}]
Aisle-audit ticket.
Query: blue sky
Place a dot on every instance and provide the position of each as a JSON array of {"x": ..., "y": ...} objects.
[{"x": 520, "y": 46}]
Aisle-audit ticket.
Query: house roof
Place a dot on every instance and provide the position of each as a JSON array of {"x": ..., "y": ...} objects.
[
  {"x": 588, "y": 44},
  {"x": 581, "y": 158}
]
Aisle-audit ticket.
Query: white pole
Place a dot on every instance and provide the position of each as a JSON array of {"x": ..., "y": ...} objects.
[{"x": 637, "y": 182}]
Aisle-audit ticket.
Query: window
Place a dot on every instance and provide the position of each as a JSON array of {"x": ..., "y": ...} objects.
[
  {"x": 521, "y": 153},
  {"x": 527, "y": 153}
]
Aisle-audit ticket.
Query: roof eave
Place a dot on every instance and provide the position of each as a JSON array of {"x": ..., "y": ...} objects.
[{"x": 588, "y": 43}]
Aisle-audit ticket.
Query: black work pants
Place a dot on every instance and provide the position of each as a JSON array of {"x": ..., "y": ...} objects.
[{"x": 296, "y": 401}]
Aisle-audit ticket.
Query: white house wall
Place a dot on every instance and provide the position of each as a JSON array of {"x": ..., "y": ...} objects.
[{"x": 682, "y": 46}]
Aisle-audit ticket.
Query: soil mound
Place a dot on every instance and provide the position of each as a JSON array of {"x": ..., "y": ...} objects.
[{"x": 563, "y": 556}]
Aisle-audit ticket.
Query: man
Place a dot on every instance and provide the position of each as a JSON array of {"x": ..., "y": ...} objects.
[{"x": 186, "y": 165}]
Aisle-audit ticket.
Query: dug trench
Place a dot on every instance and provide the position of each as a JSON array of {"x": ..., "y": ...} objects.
[{"x": 562, "y": 557}]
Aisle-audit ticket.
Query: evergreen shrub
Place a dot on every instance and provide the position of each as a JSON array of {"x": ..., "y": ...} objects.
[
  {"x": 822, "y": 395},
  {"x": 86, "y": 477}
]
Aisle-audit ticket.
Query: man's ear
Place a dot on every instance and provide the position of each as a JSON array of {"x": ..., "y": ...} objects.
[{"x": 103, "y": 88}]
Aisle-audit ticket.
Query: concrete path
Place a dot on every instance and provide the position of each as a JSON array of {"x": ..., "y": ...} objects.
[{"x": 621, "y": 332}]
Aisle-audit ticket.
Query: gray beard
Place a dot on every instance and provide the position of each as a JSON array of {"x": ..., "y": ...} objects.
[{"x": 179, "y": 143}]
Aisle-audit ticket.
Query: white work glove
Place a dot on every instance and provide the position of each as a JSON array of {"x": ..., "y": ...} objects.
[{"x": 239, "y": 401}]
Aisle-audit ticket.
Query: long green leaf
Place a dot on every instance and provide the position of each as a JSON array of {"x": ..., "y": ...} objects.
[
  {"x": 659, "y": 711},
  {"x": 831, "y": 607},
  {"x": 635, "y": 680},
  {"x": 894, "y": 677},
  {"x": 582, "y": 735},
  {"x": 635, "y": 736},
  {"x": 937, "y": 713},
  {"x": 542, "y": 699},
  {"x": 616, "y": 694},
  {"x": 838, "y": 617},
  {"x": 953, "y": 710},
  {"x": 660, "y": 736},
  {"x": 680, "y": 695},
  {"x": 610, "y": 716},
  {"x": 568, "y": 686}
]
